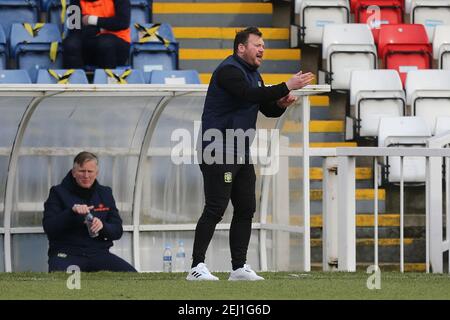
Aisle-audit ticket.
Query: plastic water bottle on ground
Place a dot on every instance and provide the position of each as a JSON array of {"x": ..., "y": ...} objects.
[
  {"x": 180, "y": 258},
  {"x": 167, "y": 259}
]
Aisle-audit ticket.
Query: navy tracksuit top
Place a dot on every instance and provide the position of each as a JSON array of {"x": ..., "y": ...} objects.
[
  {"x": 66, "y": 230},
  {"x": 223, "y": 111}
]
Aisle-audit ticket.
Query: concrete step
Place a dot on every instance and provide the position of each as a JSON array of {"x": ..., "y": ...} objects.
[
  {"x": 384, "y": 266},
  {"x": 316, "y": 173},
  {"x": 388, "y": 250},
  {"x": 363, "y": 177},
  {"x": 360, "y": 194},
  {"x": 223, "y": 38},
  {"x": 368, "y": 220},
  {"x": 364, "y": 200},
  {"x": 321, "y": 106},
  {"x": 388, "y": 225},
  {"x": 383, "y": 232},
  {"x": 317, "y": 161},
  {"x": 315, "y": 126},
  {"x": 362, "y": 220},
  {"x": 320, "y": 130},
  {"x": 206, "y": 60},
  {"x": 213, "y": 14},
  {"x": 327, "y": 144}
]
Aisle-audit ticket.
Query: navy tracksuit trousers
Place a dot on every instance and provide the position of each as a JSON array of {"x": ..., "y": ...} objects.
[
  {"x": 104, "y": 261},
  {"x": 222, "y": 183}
]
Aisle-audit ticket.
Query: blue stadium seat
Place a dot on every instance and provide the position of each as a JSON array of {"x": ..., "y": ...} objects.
[
  {"x": 36, "y": 47},
  {"x": 53, "y": 8},
  {"x": 43, "y": 4},
  {"x": 3, "y": 50},
  {"x": 14, "y": 76},
  {"x": 175, "y": 77},
  {"x": 118, "y": 76},
  {"x": 153, "y": 48},
  {"x": 141, "y": 11},
  {"x": 62, "y": 76},
  {"x": 17, "y": 11}
]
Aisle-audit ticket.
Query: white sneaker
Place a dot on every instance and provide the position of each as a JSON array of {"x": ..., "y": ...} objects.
[
  {"x": 244, "y": 273},
  {"x": 201, "y": 272}
]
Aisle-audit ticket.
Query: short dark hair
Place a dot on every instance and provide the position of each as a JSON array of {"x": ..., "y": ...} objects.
[
  {"x": 84, "y": 156},
  {"x": 242, "y": 36}
]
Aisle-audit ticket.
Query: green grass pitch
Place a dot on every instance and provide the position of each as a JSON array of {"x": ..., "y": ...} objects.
[{"x": 277, "y": 286}]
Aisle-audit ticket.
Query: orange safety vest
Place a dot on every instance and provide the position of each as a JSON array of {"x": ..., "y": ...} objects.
[{"x": 104, "y": 9}]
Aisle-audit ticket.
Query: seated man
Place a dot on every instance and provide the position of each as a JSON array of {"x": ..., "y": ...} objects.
[
  {"x": 104, "y": 38},
  {"x": 70, "y": 241}
]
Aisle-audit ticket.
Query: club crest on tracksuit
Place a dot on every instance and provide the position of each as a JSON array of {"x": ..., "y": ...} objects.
[{"x": 227, "y": 177}]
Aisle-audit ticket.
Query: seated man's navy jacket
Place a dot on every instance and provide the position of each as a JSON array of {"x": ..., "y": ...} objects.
[{"x": 66, "y": 231}]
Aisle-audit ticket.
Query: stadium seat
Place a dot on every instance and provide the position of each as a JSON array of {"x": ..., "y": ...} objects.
[
  {"x": 54, "y": 8},
  {"x": 14, "y": 76},
  {"x": 141, "y": 11},
  {"x": 62, "y": 76},
  {"x": 442, "y": 125},
  {"x": 404, "y": 47},
  {"x": 403, "y": 132},
  {"x": 378, "y": 12},
  {"x": 354, "y": 4},
  {"x": 17, "y": 11},
  {"x": 118, "y": 76},
  {"x": 428, "y": 94},
  {"x": 36, "y": 47},
  {"x": 315, "y": 14},
  {"x": 430, "y": 13},
  {"x": 175, "y": 77},
  {"x": 441, "y": 46},
  {"x": 375, "y": 94},
  {"x": 347, "y": 47},
  {"x": 3, "y": 49},
  {"x": 408, "y": 7},
  {"x": 153, "y": 48}
]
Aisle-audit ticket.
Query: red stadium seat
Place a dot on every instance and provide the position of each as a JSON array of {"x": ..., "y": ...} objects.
[
  {"x": 354, "y": 4},
  {"x": 390, "y": 12},
  {"x": 404, "y": 47}
]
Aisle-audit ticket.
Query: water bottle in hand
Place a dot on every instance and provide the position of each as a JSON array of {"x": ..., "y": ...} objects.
[{"x": 88, "y": 219}]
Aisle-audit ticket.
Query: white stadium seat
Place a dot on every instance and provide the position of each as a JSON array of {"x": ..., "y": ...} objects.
[
  {"x": 408, "y": 4},
  {"x": 428, "y": 94},
  {"x": 403, "y": 132},
  {"x": 375, "y": 94},
  {"x": 315, "y": 14},
  {"x": 430, "y": 13},
  {"x": 347, "y": 47},
  {"x": 442, "y": 125},
  {"x": 441, "y": 46}
]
